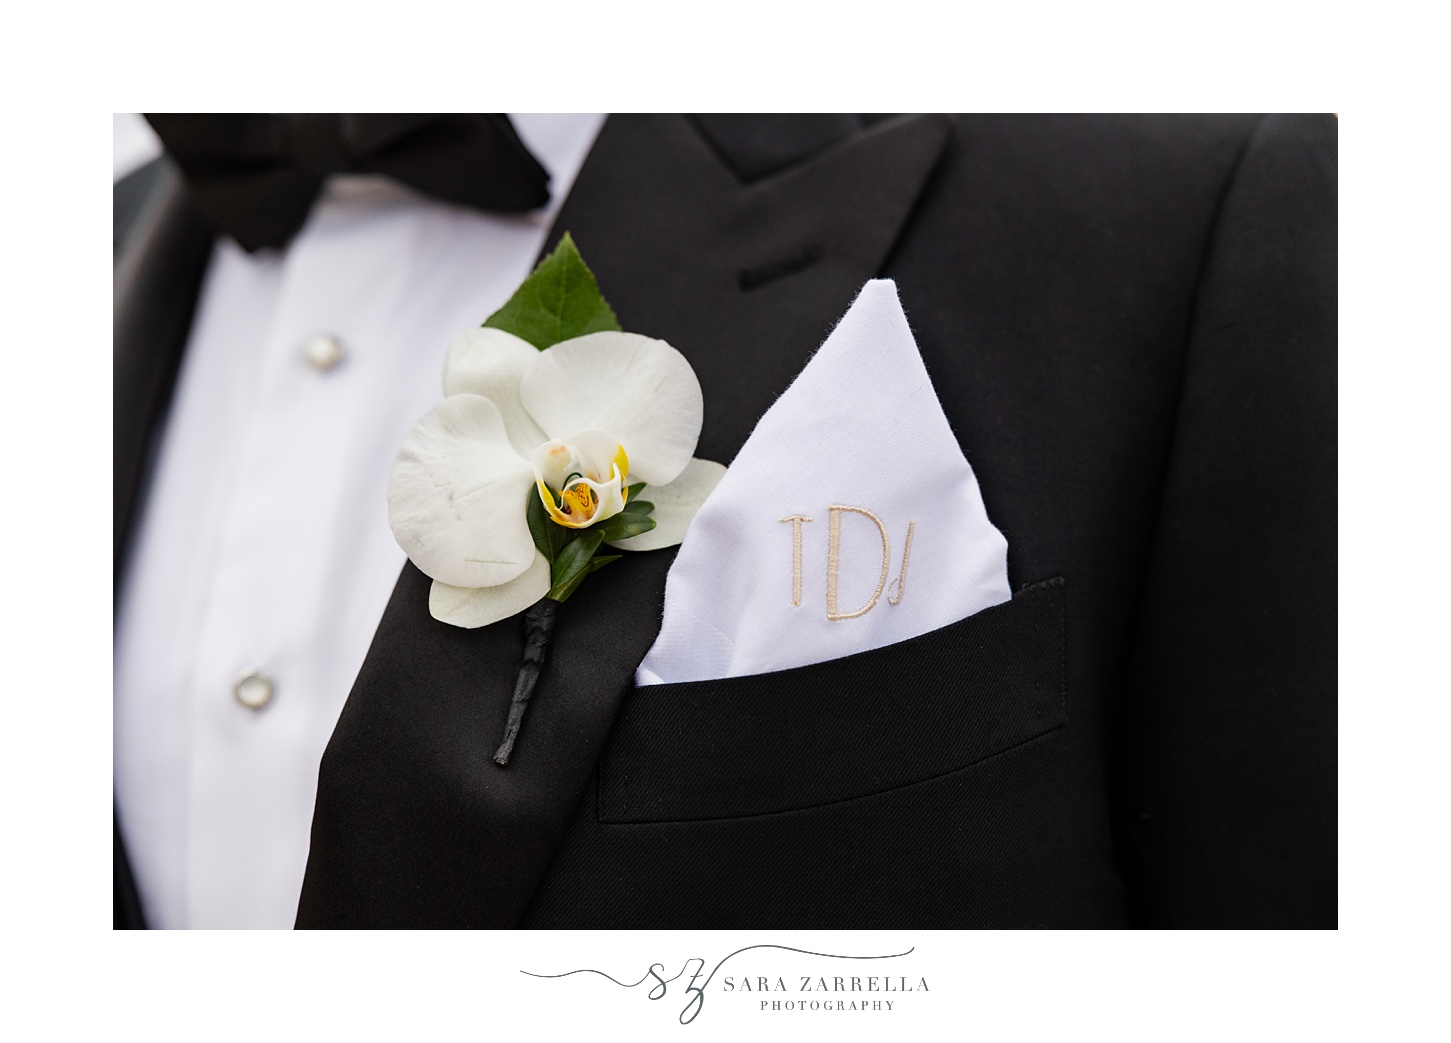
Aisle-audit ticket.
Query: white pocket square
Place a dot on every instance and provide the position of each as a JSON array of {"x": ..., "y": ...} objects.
[{"x": 849, "y": 520}]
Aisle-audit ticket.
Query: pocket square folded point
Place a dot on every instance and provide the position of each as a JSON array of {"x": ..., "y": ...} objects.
[{"x": 849, "y": 520}]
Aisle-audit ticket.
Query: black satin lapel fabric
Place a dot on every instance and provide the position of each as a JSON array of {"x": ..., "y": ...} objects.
[
  {"x": 126, "y": 913},
  {"x": 756, "y": 148},
  {"x": 158, "y": 274},
  {"x": 162, "y": 248},
  {"x": 129, "y": 197},
  {"x": 415, "y": 826}
]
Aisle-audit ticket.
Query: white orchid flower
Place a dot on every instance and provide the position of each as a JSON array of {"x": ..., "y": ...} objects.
[{"x": 575, "y": 424}]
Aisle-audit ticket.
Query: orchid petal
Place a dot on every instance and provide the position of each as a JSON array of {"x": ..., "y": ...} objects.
[
  {"x": 457, "y": 496},
  {"x": 592, "y": 454},
  {"x": 641, "y": 390},
  {"x": 490, "y": 362},
  {"x": 675, "y": 505},
  {"x": 581, "y": 481},
  {"x": 480, "y": 606}
]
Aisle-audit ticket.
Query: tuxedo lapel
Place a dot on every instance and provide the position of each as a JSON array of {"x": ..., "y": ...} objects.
[
  {"x": 159, "y": 268},
  {"x": 161, "y": 255},
  {"x": 414, "y": 824},
  {"x": 745, "y": 279}
]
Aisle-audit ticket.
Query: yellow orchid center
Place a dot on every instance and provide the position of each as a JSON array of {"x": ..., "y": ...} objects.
[
  {"x": 578, "y": 500},
  {"x": 582, "y": 479}
]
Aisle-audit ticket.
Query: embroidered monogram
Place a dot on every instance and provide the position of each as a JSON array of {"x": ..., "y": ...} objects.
[
  {"x": 833, "y": 562},
  {"x": 901, "y": 581},
  {"x": 796, "y": 520}
]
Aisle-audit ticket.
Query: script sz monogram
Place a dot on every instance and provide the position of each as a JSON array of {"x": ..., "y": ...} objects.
[{"x": 833, "y": 561}]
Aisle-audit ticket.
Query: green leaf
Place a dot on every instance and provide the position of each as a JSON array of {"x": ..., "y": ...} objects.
[
  {"x": 572, "y": 564},
  {"x": 632, "y": 491},
  {"x": 594, "y": 565},
  {"x": 560, "y": 301},
  {"x": 539, "y": 524},
  {"x": 639, "y": 508},
  {"x": 623, "y": 526},
  {"x": 548, "y": 537}
]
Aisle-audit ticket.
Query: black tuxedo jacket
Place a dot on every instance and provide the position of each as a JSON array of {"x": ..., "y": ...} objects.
[{"x": 1130, "y": 323}]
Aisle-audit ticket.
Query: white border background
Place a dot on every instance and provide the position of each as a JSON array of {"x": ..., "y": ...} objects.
[{"x": 69, "y": 976}]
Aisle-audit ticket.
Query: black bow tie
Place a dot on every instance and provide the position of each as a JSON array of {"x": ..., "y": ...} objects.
[{"x": 255, "y": 175}]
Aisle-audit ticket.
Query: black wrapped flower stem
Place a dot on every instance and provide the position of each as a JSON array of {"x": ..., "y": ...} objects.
[
  {"x": 573, "y": 555},
  {"x": 538, "y": 629}
]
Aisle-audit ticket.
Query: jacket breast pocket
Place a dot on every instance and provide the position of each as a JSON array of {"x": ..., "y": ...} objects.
[{"x": 847, "y": 728}]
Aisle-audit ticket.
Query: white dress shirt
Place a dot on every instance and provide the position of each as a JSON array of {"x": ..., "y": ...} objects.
[{"x": 264, "y": 545}]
